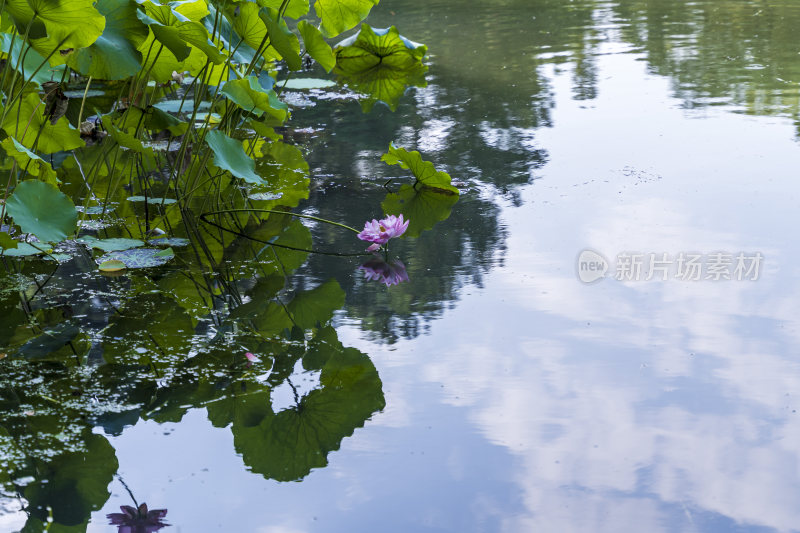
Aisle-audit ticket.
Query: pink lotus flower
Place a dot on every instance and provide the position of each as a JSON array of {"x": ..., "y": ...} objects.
[
  {"x": 392, "y": 273},
  {"x": 379, "y": 232}
]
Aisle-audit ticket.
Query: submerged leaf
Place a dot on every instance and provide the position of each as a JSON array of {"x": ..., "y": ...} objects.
[{"x": 41, "y": 209}]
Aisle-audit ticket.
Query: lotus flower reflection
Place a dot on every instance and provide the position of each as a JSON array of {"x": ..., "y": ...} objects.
[
  {"x": 138, "y": 520},
  {"x": 378, "y": 232},
  {"x": 391, "y": 273}
]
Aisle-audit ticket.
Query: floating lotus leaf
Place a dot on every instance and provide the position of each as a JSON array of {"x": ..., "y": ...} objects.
[
  {"x": 28, "y": 161},
  {"x": 113, "y": 56},
  {"x": 341, "y": 15},
  {"x": 170, "y": 241},
  {"x": 308, "y": 83},
  {"x": 229, "y": 155},
  {"x": 26, "y": 122},
  {"x": 57, "y": 25},
  {"x": 111, "y": 245},
  {"x": 151, "y": 200},
  {"x": 380, "y": 63},
  {"x": 424, "y": 171},
  {"x": 112, "y": 265},
  {"x": 41, "y": 209},
  {"x": 316, "y": 46},
  {"x": 140, "y": 257},
  {"x": 25, "y": 249}
]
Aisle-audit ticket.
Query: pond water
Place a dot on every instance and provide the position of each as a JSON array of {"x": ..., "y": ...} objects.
[{"x": 502, "y": 387}]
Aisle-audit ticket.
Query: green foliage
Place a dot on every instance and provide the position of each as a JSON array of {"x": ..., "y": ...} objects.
[
  {"x": 25, "y": 121},
  {"x": 28, "y": 161},
  {"x": 341, "y": 15},
  {"x": 316, "y": 46},
  {"x": 381, "y": 63},
  {"x": 424, "y": 171},
  {"x": 229, "y": 155},
  {"x": 41, "y": 209},
  {"x": 57, "y": 27},
  {"x": 248, "y": 94},
  {"x": 182, "y": 147},
  {"x": 114, "y": 55}
]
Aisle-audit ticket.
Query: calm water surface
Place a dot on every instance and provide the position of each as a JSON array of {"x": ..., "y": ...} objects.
[{"x": 518, "y": 398}]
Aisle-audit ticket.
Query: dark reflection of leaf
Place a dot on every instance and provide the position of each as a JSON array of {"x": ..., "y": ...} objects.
[
  {"x": 317, "y": 305},
  {"x": 150, "y": 329},
  {"x": 423, "y": 208},
  {"x": 74, "y": 484},
  {"x": 287, "y": 445},
  {"x": 380, "y": 63}
]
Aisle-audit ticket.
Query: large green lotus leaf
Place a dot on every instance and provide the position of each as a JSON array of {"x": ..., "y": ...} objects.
[
  {"x": 111, "y": 245},
  {"x": 229, "y": 155},
  {"x": 286, "y": 446},
  {"x": 294, "y": 9},
  {"x": 32, "y": 61},
  {"x": 422, "y": 208},
  {"x": 113, "y": 56},
  {"x": 191, "y": 9},
  {"x": 282, "y": 38},
  {"x": 157, "y": 120},
  {"x": 308, "y": 308},
  {"x": 40, "y": 208},
  {"x": 371, "y": 47},
  {"x": 424, "y": 171},
  {"x": 65, "y": 25},
  {"x": 248, "y": 94},
  {"x": 176, "y": 32},
  {"x": 381, "y": 64},
  {"x": 73, "y": 484},
  {"x": 53, "y": 138},
  {"x": 28, "y": 161},
  {"x": 244, "y": 20},
  {"x": 162, "y": 64},
  {"x": 316, "y": 46},
  {"x": 341, "y": 15}
]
